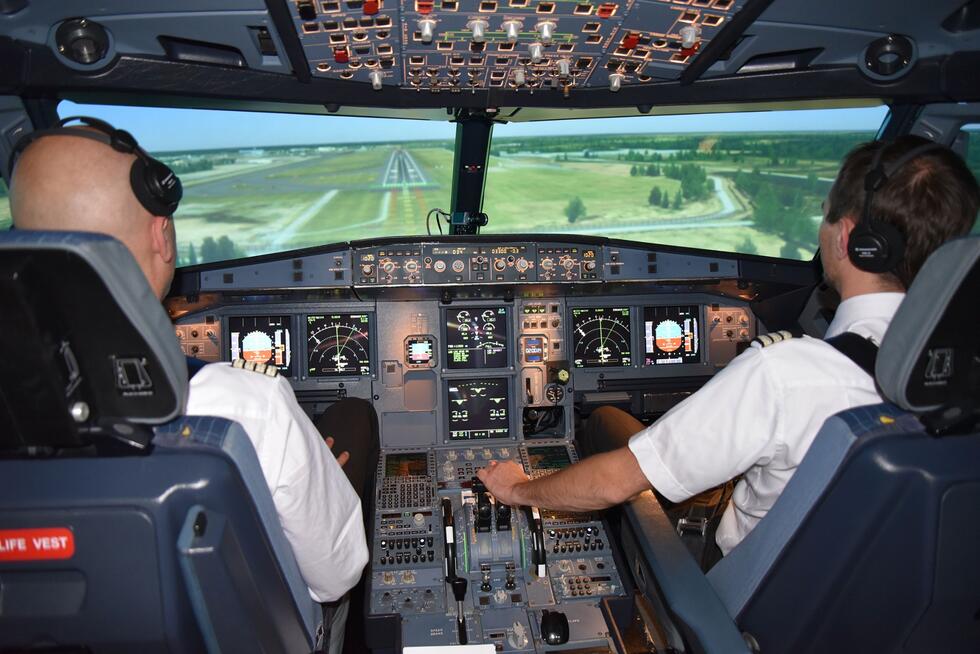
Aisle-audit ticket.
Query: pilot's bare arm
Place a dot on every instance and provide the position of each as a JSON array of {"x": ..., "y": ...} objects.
[{"x": 598, "y": 482}]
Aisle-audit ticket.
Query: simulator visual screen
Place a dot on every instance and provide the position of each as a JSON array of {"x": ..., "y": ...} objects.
[
  {"x": 262, "y": 339},
  {"x": 478, "y": 409},
  {"x": 476, "y": 337},
  {"x": 671, "y": 335}
]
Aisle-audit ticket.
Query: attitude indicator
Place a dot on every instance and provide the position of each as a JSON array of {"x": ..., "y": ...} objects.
[
  {"x": 262, "y": 339},
  {"x": 338, "y": 345},
  {"x": 601, "y": 336},
  {"x": 670, "y": 335}
]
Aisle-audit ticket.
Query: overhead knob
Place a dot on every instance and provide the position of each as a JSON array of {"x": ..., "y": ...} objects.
[
  {"x": 519, "y": 77},
  {"x": 546, "y": 29},
  {"x": 564, "y": 67},
  {"x": 689, "y": 36},
  {"x": 427, "y": 27},
  {"x": 536, "y": 50},
  {"x": 375, "y": 76},
  {"x": 512, "y": 29},
  {"x": 478, "y": 27},
  {"x": 615, "y": 82}
]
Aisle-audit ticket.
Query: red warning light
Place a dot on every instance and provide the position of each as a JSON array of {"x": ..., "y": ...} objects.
[
  {"x": 687, "y": 52},
  {"x": 424, "y": 7},
  {"x": 606, "y": 9},
  {"x": 371, "y": 7},
  {"x": 340, "y": 55},
  {"x": 630, "y": 41}
]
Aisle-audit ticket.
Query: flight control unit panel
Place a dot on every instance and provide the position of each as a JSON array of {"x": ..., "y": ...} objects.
[{"x": 461, "y": 376}]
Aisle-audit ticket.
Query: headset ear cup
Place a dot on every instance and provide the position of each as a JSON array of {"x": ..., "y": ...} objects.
[
  {"x": 139, "y": 180},
  {"x": 875, "y": 247}
]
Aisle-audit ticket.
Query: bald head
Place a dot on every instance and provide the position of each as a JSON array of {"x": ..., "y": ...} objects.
[{"x": 64, "y": 182}]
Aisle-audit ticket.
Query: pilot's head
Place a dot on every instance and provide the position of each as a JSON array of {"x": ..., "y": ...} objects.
[
  {"x": 66, "y": 182},
  {"x": 929, "y": 199}
]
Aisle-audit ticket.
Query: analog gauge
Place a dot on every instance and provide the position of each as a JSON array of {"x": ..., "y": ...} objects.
[
  {"x": 554, "y": 393},
  {"x": 601, "y": 337},
  {"x": 338, "y": 345},
  {"x": 420, "y": 351}
]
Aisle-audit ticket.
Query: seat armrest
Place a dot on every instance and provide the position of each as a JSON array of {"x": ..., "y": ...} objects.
[{"x": 668, "y": 575}]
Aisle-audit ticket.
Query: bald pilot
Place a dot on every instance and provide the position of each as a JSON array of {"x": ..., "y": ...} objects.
[{"x": 79, "y": 179}]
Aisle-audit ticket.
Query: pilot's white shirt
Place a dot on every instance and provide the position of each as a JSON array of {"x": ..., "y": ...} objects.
[
  {"x": 759, "y": 415},
  {"x": 318, "y": 509}
]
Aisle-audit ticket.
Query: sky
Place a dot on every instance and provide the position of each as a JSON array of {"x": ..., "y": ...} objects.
[{"x": 164, "y": 129}]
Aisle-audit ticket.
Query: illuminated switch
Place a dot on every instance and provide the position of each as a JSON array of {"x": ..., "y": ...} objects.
[
  {"x": 371, "y": 7},
  {"x": 546, "y": 29},
  {"x": 427, "y": 27},
  {"x": 341, "y": 55},
  {"x": 536, "y": 50},
  {"x": 615, "y": 82},
  {"x": 630, "y": 41},
  {"x": 606, "y": 9},
  {"x": 519, "y": 77},
  {"x": 478, "y": 27},
  {"x": 512, "y": 29},
  {"x": 424, "y": 6},
  {"x": 564, "y": 67},
  {"x": 376, "y": 77}
]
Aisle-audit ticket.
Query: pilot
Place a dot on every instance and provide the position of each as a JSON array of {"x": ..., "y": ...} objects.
[
  {"x": 758, "y": 416},
  {"x": 64, "y": 182}
]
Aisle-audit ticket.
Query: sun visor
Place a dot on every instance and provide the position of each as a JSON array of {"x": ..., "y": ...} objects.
[
  {"x": 87, "y": 318},
  {"x": 926, "y": 357}
]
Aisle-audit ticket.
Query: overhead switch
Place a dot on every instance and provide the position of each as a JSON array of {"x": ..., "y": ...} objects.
[
  {"x": 615, "y": 82},
  {"x": 546, "y": 29},
  {"x": 564, "y": 67},
  {"x": 536, "y": 50},
  {"x": 512, "y": 29},
  {"x": 341, "y": 55},
  {"x": 630, "y": 41},
  {"x": 371, "y": 7},
  {"x": 427, "y": 27},
  {"x": 519, "y": 77},
  {"x": 479, "y": 29},
  {"x": 375, "y": 76}
]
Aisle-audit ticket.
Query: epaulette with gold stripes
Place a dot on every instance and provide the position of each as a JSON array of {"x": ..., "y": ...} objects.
[
  {"x": 765, "y": 340},
  {"x": 255, "y": 366}
]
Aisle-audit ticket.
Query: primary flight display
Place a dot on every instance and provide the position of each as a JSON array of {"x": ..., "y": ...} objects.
[{"x": 262, "y": 339}]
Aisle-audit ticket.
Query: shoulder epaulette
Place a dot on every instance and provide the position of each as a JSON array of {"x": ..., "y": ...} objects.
[
  {"x": 765, "y": 340},
  {"x": 254, "y": 366}
]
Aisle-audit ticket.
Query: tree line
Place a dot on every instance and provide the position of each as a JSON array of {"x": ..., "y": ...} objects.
[
  {"x": 780, "y": 209},
  {"x": 210, "y": 250}
]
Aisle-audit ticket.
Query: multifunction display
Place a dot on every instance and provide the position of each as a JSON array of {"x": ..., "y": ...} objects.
[
  {"x": 671, "y": 335},
  {"x": 601, "y": 337},
  {"x": 338, "y": 344},
  {"x": 548, "y": 457},
  {"x": 410, "y": 464},
  {"x": 476, "y": 337},
  {"x": 478, "y": 408},
  {"x": 262, "y": 339}
]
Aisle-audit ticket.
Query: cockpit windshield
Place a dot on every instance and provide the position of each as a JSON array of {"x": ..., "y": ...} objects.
[
  {"x": 258, "y": 183},
  {"x": 749, "y": 182}
]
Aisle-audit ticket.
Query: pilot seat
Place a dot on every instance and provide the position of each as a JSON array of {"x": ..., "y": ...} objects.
[{"x": 124, "y": 525}]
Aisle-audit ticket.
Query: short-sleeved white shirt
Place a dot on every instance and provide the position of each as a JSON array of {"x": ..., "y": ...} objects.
[
  {"x": 759, "y": 415},
  {"x": 318, "y": 509}
]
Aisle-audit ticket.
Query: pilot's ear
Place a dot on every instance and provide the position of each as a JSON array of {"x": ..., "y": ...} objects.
[
  {"x": 164, "y": 244},
  {"x": 846, "y": 225}
]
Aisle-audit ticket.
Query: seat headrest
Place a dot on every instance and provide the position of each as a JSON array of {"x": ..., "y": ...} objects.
[
  {"x": 80, "y": 309},
  {"x": 928, "y": 357}
]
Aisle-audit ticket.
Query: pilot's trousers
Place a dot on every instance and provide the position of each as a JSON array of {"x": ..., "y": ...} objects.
[{"x": 353, "y": 425}]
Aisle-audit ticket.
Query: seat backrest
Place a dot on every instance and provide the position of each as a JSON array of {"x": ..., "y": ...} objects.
[
  {"x": 872, "y": 545},
  {"x": 111, "y": 541}
]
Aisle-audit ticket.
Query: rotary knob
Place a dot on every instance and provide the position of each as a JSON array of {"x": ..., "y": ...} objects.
[
  {"x": 439, "y": 266},
  {"x": 499, "y": 264},
  {"x": 589, "y": 266},
  {"x": 388, "y": 266},
  {"x": 367, "y": 269},
  {"x": 522, "y": 264},
  {"x": 411, "y": 266},
  {"x": 548, "y": 263},
  {"x": 568, "y": 263},
  {"x": 458, "y": 266}
]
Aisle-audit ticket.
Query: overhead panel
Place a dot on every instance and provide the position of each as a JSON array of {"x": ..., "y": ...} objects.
[{"x": 451, "y": 46}]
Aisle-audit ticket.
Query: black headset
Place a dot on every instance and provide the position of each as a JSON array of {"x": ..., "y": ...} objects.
[
  {"x": 877, "y": 246},
  {"x": 156, "y": 186}
]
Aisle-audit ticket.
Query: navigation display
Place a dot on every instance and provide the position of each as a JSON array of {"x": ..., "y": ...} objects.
[
  {"x": 411, "y": 464},
  {"x": 476, "y": 338},
  {"x": 262, "y": 339},
  {"x": 338, "y": 345},
  {"x": 601, "y": 337},
  {"x": 671, "y": 335},
  {"x": 478, "y": 408},
  {"x": 548, "y": 457}
]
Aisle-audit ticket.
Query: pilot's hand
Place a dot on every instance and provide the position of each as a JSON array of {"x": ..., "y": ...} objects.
[
  {"x": 343, "y": 457},
  {"x": 503, "y": 480}
]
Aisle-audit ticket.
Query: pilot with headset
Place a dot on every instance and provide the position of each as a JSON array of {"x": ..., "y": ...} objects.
[
  {"x": 891, "y": 205},
  {"x": 97, "y": 178}
]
